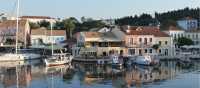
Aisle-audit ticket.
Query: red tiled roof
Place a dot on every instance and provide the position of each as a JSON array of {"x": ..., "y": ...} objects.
[
  {"x": 92, "y": 34},
  {"x": 44, "y": 31},
  {"x": 8, "y": 24},
  {"x": 147, "y": 31}
]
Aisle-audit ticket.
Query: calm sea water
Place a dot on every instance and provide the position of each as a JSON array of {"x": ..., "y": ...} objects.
[{"x": 33, "y": 74}]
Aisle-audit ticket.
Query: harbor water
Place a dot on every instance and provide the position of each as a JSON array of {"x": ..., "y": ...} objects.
[{"x": 34, "y": 74}]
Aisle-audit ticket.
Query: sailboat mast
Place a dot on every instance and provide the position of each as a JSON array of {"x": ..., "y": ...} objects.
[
  {"x": 17, "y": 27},
  {"x": 51, "y": 37}
]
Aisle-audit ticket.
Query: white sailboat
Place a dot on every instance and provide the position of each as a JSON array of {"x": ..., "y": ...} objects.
[
  {"x": 18, "y": 56},
  {"x": 59, "y": 58}
]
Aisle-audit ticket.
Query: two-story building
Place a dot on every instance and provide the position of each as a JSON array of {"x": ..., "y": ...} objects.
[
  {"x": 98, "y": 44},
  {"x": 140, "y": 41}
]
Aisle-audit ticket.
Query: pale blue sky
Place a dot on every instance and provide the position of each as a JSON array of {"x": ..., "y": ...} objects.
[{"x": 95, "y": 8}]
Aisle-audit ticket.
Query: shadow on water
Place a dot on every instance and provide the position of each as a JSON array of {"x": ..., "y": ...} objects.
[{"x": 33, "y": 74}]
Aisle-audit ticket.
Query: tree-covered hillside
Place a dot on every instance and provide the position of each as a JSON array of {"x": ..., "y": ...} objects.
[{"x": 165, "y": 19}]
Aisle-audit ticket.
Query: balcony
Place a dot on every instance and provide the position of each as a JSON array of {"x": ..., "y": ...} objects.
[{"x": 149, "y": 44}]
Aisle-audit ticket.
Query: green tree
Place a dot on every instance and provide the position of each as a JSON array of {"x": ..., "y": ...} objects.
[
  {"x": 44, "y": 24},
  {"x": 184, "y": 41},
  {"x": 59, "y": 25},
  {"x": 34, "y": 25},
  {"x": 69, "y": 25},
  {"x": 156, "y": 47}
]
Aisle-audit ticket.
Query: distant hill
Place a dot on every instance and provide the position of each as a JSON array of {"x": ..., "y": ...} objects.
[{"x": 164, "y": 19}]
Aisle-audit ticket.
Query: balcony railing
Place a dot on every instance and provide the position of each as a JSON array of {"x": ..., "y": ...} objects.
[{"x": 139, "y": 45}]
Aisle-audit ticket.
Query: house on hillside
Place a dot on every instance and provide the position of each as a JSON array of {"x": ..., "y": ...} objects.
[{"x": 188, "y": 23}]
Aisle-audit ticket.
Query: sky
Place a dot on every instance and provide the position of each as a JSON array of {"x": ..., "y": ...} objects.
[{"x": 94, "y": 8}]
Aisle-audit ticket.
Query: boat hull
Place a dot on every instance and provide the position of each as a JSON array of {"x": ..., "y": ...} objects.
[{"x": 54, "y": 61}]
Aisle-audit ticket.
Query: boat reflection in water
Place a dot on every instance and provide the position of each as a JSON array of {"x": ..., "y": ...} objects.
[{"x": 36, "y": 75}]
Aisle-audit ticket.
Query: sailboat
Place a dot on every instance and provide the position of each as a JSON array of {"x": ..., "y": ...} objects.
[
  {"x": 18, "y": 56},
  {"x": 58, "y": 58}
]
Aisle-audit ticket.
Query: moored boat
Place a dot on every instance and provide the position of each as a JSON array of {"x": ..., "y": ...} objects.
[
  {"x": 116, "y": 60},
  {"x": 145, "y": 60},
  {"x": 58, "y": 59}
]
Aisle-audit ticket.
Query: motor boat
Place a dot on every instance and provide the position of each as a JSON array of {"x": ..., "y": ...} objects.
[
  {"x": 58, "y": 59},
  {"x": 145, "y": 60}
]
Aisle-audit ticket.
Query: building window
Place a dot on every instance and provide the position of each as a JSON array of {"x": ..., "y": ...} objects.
[
  {"x": 93, "y": 44},
  {"x": 140, "y": 39},
  {"x": 145, "y": 40},
  {"x": 140, "y": 51},
  {"x": 196, "y": 36},
  {"x": 131, "y": 41},
  {"x": 159, "y": 50},
  {"x": 145, "y": 50},
  {"x": 178, "y": 35},
  {"x": 150, "y": 50},
  {"x": 166, "y": 42},
  {"x": 166, "y": 52},
  {"x": 160, "y": 42},
  {"x": 62, "y": 38},
  {"x": 150, "y": 39},
  {"x": 188, "y": 36},
  {"x": 193, "y": 36},
  {"x": 175, "y": 36},
  {"x": 132, "y": 51}
]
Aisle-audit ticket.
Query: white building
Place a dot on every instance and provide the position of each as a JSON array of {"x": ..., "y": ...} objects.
[
  {"x": 175, "y": 32},
  {"x": 43, "y": 35},
  {"x": 188, "y": 23},
  {"x": 194, "y": 36},
  {"x": 36, "y": 19}
]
